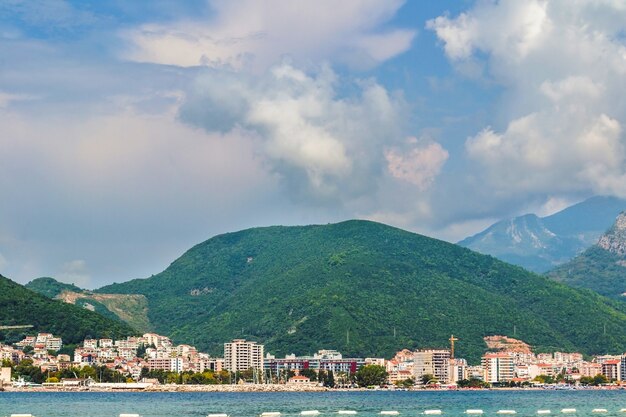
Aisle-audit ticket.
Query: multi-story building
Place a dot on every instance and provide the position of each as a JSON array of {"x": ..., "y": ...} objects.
[
  {"x": 568, "y": 358},
  {"x": 590, "y": 369},
  {"x": 498, "y": 367},
  {"x": 44, "y": 341},
  {"x": 90, "y": 343},
  {"x": 241, "y": 355},
  {"x": 324, "y": 360},
  {"x": 105, "y": 343},
  {"x": 168, "y": 364},
  {"x": 611, "y": 369},
  {"x": 435, "y": 362},
  {"x": 458, "y": 370}
]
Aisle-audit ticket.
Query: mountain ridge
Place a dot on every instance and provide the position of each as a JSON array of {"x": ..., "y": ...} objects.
[
  {"x": 540, "y": 244},
  {"x": 21, "y": 306},
  {"x": 602, "y": 267},
  {"x": 303, "y": 288},
  {"x": 129, "y": 308}
]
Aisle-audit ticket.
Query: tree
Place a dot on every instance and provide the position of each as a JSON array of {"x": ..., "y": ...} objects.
[
  {"x": 371, "y": 375},
  {"x": 329, "y": 380},
  {"x": 407, "y": 383},
  {"x": 472, "y": 383},
  {"x": 600, "y": 379},
  {"x": 428, "y": 379},
  {"x": 309, "y": 373}
]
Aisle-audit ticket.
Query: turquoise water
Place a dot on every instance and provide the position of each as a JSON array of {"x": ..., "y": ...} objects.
[{"x": 368, "y": 404}]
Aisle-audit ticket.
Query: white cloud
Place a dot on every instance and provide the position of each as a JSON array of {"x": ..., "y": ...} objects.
[
  {"x": 562, "y": 66},
  {"x": 419, "y": 166},
  {"x": 509, "y": 29},
  {"x": 325, "y": 147},
  {"x": 256, "y": 34}
]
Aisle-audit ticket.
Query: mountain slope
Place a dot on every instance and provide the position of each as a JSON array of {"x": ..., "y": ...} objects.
[
  {"x": 130, "y": 308},
  {"x": 50, "y": 287},
  {"x": 602, "y": 267},
  {"x": 540, "y": 244},
  {"x": 364, "y": 288},
  {"x": 19, "y": 306}
]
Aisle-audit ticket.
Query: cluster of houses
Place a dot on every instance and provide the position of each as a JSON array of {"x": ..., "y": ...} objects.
[{"x": 509, "y": 363}]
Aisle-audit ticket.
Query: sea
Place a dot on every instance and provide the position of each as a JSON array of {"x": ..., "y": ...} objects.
[{"x": 291, "y": 404}]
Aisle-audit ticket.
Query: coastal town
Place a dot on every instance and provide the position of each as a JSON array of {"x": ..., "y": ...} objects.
[{"x": 153, "y": 360}]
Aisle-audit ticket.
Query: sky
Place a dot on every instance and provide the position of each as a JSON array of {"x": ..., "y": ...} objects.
[{"x": 131, "y": 131}]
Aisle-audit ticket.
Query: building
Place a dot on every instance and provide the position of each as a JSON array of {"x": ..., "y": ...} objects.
[
  {"x": 168, "y": 364},
  {"x": 611, "y": 369},
  {"x": 241, "y": 355},
  {"x": 432, "y": 362},
  {"x": 458, "y": 370},
  {"x": 323, "y": 360},
  {"x": 590, "y": 369},
  {"x": 498, "y": 367},
  {"x": 5, "y": 375}
]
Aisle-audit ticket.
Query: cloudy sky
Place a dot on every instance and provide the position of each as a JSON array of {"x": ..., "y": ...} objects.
[{"x": 132, "y": 130}]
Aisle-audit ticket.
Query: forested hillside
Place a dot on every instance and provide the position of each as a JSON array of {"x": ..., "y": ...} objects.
[{"x": 366, "y": 289}]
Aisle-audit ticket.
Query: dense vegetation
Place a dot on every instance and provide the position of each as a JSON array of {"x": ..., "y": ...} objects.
[
  {"x": 50, "y": 287},
  {"x": 131, "y": 309},
  {"x": 365, "y": 289},
  {"x": 596, "y": 269},
  {"x": 20, "y": 306}
]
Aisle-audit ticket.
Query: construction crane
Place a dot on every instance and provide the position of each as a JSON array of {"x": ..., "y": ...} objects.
[
  {"x": 452, "y": 340},
  {"x": 21, "y": 326}
]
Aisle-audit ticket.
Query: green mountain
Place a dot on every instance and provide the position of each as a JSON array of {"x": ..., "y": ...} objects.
[
  {"x": 602, "y": 267},
  {"x": 541, "y": 243},
  {"x": 365, "y": 289},
  {"x": 132, "y": 308},
  {"x": 50, "y": 287},
  {"x": 20, "y": 306}
]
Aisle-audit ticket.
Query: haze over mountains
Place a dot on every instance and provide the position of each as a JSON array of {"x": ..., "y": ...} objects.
[
  {"x": 540, "y": 244},
  {"x": 366, "y": 289}
]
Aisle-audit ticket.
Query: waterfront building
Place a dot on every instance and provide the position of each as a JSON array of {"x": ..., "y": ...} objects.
[
  {"x": 435, "y": 362},
  {"x": 241, "y": 355},
  {"x": 611, "y": 369},
  {"x": 498, "y": 367},
  {"x": 168, "y": 364},
  {"x": 590, "y": 369},
  {"x": 323, "y": 360}
]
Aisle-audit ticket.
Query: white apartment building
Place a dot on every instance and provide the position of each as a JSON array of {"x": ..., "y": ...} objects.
[
  {"x": 434, "y": 362},
  {"x": 498, "y": 367},
  {"x": 105, "y": 343},
  {"x": 241, "y": 355}
]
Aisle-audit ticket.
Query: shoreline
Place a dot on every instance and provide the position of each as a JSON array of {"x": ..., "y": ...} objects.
[{"x": 260, "y": 388}]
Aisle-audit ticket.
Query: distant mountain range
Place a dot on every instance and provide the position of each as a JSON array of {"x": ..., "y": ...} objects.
[
  {"x": 21, "y": 306},
  {"x": 540, "y": 244},
  {"x": 602, "y": 267},
  {"x": 364, "y": 288}
]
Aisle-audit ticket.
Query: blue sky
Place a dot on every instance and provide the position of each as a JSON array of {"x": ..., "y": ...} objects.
[{"x": 130, "y": 131}]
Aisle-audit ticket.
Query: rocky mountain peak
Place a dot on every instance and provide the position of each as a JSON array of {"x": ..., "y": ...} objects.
[{"x": 614, "y": 240}]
